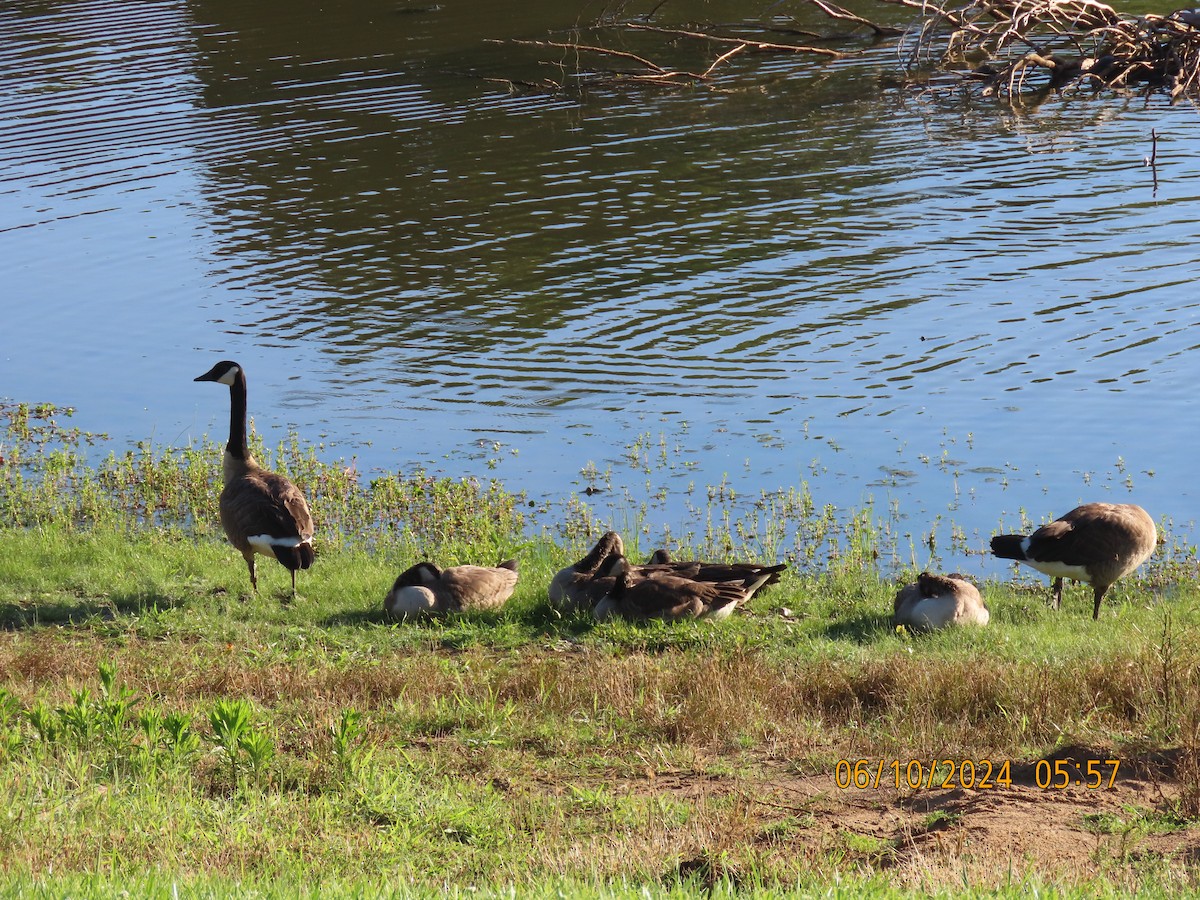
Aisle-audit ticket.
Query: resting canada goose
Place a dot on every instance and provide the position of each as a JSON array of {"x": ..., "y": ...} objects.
[
  {"x": 661, "y": 562},
  {"x": 665, "y": 596},
  {"x": 261, "y": 512},
  {"x": 426, "y": 589},
  {"x": 578, "y": 586},
  {"x": 584, "y": 584},
  {"x": 1097, "y": 543},
  {"x": 937, "y": 601}
]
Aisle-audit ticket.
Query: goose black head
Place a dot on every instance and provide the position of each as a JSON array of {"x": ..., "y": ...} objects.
[
  {"x": 422, "y": 574},
  {"x": 224, "y": 372}
]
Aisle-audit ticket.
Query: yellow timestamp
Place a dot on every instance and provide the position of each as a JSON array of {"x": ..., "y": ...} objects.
[
  {"x": 1087, "y": 773},
  {"x": 982, "y": 774}
]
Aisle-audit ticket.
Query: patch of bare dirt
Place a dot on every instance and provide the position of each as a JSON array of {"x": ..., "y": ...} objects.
[{"x": 934, "y": 836}]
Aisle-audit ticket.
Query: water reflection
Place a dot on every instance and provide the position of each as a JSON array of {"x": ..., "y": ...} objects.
[{"x": 803, "y": 270}]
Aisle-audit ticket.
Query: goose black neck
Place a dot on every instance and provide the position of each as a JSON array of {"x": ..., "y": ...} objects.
[
  {"x": 596, "y": 556},
  {"x": 237, "y": 445}
]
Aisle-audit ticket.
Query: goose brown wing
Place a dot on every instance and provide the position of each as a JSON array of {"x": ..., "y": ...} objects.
[
  {"x": 663, "y": 596},
  {"x": 265, "y": 503},
  {"x": 695, "y": 570},
  {"x": 478, "y": 587},
  {"x": 1096, "y": 533},
  {"x": 1075, "y": 540},
  {"x": 931, "y": 585}
]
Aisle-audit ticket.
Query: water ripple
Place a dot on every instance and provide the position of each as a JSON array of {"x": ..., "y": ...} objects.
[{"x": 346, "y": 187}]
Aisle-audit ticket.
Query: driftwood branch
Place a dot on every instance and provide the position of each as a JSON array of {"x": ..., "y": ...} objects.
[
  {"x": 836, "y": 12},
  {"x": 724, "y": 56},
  {"x": 1003, "y": 48},
  {"x": 763, "y": 46},
  {"x": 1035, "y": 45},
  {"x": 603, "y": 51}
]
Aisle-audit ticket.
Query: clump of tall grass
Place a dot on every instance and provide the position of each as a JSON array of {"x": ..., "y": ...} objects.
[{"x": 46, "y": 476}]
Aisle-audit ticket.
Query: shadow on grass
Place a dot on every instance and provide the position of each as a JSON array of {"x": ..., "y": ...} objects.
[
  {"x": 465, "y": 629},
  {"x": 85, "y": 610},
  {"x": 862, "y": 630}
]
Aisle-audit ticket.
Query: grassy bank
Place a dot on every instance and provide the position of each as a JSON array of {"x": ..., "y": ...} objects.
[{"x": 163, "y": 729}]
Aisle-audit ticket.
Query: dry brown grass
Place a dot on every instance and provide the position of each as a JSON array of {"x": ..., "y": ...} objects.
[
  {"x": 592, "y": 760},
  {"x": 718, "y": 702}
]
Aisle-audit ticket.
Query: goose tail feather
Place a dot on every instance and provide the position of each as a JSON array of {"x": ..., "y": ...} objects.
[{"x": 1009, "y": 546}]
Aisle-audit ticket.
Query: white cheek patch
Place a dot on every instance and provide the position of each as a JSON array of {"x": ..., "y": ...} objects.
[
  {"x": 266, "y": 544},
  {"x": 228, "y": 377},
  {"x": 605, "y": 609}
]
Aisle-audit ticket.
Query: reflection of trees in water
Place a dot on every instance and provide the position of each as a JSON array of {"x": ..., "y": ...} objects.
[
  {"x": 381, "y": 194},
  {"x": 694, "y": 239}
]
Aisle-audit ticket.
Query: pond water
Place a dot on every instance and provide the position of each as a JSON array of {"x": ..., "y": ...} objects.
[{"x": 797, "y": 273}]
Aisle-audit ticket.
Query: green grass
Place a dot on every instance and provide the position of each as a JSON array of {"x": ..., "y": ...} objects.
[
  {"x": 503, "y": 749},
  {"x": 302, "y": 885},
  {"x": 163, "y": 729}
]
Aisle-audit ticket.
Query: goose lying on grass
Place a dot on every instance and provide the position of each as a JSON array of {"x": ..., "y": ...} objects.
[
  {"x": 588, "y": 581},
  {"x": 939, "y": 601},
  {"x": 579, "y": 586},
  {"x": 426, "y": 589},
  {"x": 661, "y": 595}
]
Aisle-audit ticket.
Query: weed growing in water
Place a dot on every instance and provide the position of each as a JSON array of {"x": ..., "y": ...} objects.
[{"x": 46, "y": 479}]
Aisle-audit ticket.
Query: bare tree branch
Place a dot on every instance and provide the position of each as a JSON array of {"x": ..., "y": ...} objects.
[
  {"x": 765, "y": 46},
  {"x": 588, "y": 48},
  {"x": 836, "y": 12}
]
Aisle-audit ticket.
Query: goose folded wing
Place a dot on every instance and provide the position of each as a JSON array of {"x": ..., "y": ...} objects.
[
  {"x": 1064, "y": 542},
  {"x": 477, "y": 587},
  {"x": 668, "y": 597},
  {"x": 267, "y": 504}
]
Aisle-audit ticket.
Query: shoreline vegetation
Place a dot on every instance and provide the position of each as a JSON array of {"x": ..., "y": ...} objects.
[{"x": 164, "y": 731}]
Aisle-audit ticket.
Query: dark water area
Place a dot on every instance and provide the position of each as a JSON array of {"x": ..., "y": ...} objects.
[{"x": 800, "y": 272}]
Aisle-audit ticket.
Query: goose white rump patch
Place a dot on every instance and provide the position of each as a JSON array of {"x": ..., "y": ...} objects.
[
  {"x": 1057, "y": 569},
  {"x": 266, "y": 544}
]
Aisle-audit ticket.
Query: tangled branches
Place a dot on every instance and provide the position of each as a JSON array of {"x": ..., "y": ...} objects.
[
  {"x": 1004, "y": 48},
  {"x": 1013, "y": 46}
]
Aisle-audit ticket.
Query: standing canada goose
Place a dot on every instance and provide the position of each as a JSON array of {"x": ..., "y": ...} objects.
[
  {"x": 579, "y": 586},
  {"x": 1097, "y": 543},
  {"x": 937, "y": 601},
  {"x": 665, "y": 596},
  {"x": 426, "y": 589},
  {"x": 261, "y": 512}
]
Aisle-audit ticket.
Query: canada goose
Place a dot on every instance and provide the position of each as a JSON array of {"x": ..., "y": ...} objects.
[
  {"x": 577, "y": 587},
  {"x": 1097, "y": 543},
  {"x": 584, "y": 584},
  {"x": 426, "y": 589},
  {"x": 666, "y": 596},
  {"x": 661, "y": 562},
  {"x": 261, "y": 512},
  {"x": 937, "y": 601}
]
